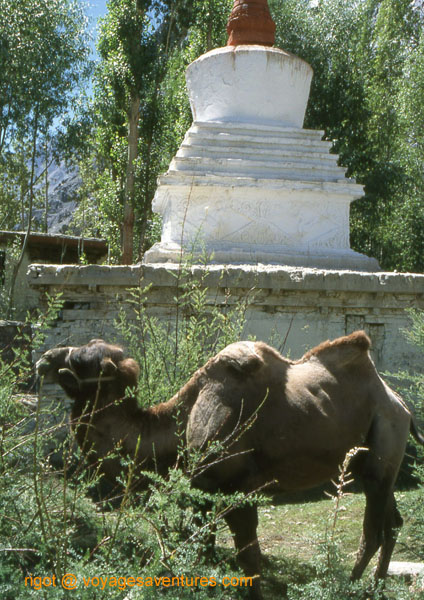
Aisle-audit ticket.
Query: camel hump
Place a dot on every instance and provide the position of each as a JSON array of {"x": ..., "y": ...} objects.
[
  {"x": 241, "y": 357},
  {"x": 342, "y": 350}
]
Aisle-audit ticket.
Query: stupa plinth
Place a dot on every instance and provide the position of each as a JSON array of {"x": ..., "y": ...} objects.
[{"x": 249, "y": 184}]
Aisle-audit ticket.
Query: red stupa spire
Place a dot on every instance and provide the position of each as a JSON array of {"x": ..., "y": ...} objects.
[{"x": 250, "y": 22}]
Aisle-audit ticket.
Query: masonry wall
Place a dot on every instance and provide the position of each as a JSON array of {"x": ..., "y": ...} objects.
[
  {"x": 25, "y": 298},
  {"x": 292, "y": 308}
]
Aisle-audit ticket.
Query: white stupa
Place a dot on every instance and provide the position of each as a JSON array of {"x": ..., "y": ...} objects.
[{"x": 249, "y": 184}]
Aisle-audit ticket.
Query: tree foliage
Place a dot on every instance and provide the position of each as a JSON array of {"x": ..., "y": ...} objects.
[
  {"x": 43, "y": 57},
  {"x": 368, "y": 96},
  {"x": 148, "y": 73}
]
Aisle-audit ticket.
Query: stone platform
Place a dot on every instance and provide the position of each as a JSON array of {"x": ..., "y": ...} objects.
[{"x": 291, "y": 308}]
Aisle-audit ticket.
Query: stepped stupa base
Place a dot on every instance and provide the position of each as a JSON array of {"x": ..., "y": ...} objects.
[
  {"x": 243, "y": 254},
  {"x": 252, "y": 194}
]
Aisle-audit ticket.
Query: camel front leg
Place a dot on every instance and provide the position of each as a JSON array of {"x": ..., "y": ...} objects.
[{"x": 243, "y": 523}]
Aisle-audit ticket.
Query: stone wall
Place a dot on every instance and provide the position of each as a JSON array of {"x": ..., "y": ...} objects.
[
  {"x": 25, "y": 298},
  {"x": 15, "y": 341},
  {"x": 45, "y": 248},
  {"x": 292, "y": 308}
]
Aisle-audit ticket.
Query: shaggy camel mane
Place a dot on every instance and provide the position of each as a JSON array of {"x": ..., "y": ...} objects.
[
  {"x": 358, "y": 341},
  {"x": 185, "y": 397}
]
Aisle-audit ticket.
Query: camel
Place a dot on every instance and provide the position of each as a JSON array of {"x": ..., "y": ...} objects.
[
  {"x": 105, "y": 415},
  {"x": 287, "y": 426}
]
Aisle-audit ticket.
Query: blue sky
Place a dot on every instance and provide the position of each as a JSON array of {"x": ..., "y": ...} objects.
[{"x": 96, "y": 9}]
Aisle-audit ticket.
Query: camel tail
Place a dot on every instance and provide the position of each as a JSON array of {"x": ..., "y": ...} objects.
[
  {"x": 413, "y": 429},
  {"x": 419, "y": 437}
]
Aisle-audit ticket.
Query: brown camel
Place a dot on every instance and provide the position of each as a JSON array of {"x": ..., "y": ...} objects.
[
  {"x": 287, "y": 426},
  {"x": 105, "y": 414}
]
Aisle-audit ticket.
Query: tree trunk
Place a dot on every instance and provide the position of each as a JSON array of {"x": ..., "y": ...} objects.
[
  {"x": 46, "y": 186},
  {"x": 128, "y": 224},
  {"x": 30, "y": 207}
]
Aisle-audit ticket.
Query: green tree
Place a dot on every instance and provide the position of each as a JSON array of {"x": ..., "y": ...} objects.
[
  {"x": 139, "y": 96},
  {"x": 43, "y": 54},
  {"x": 396, "y": 32},
  {"x": 43, "y": 57},
  {"x": 408, "y": 219},
  {"x": 123, "y": 56},
  {"x": 364, "y": 56},
  {"x": 135, "y": 40}
]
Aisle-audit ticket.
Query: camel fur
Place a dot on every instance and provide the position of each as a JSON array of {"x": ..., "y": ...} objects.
[
  {"x": 287, "y": 426},
  {"x": 105, "y": 416}
]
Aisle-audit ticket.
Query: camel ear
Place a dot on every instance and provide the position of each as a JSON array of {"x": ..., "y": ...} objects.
[
  {"x": 68, "y": 380},
  {"x": 108, "y": 367},
  {"x": 130, "y": 372}
]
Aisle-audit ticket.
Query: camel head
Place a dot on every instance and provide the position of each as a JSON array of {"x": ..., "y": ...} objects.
[{"x": 85, "y": 371}]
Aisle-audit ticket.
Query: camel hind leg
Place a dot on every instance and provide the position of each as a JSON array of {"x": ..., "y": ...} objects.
[
  {"x": 378, "y": 469},
  {"x": 382, "y": 521},
  {"x": 392, "y": 524},
  {"x": 373, "y": 526}
]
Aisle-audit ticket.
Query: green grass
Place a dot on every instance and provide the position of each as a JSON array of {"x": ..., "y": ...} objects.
[{"x": 291, "y": 537}]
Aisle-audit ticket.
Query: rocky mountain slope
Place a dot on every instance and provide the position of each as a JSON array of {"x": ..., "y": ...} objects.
[{"x": 63, "y": 183}]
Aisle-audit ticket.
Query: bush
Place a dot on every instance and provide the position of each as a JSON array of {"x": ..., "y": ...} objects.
[
  {"x": 52, "y": 525},
  {"x": 414, "y": 509},
  {"x": 169, "y": 352}
]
